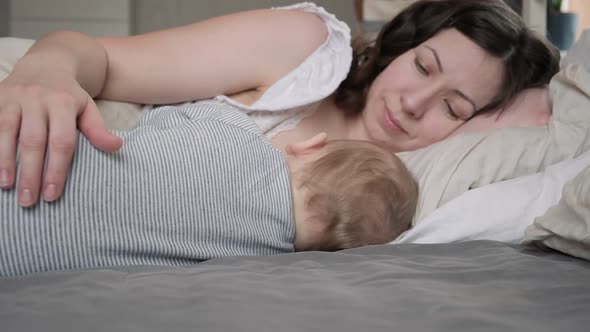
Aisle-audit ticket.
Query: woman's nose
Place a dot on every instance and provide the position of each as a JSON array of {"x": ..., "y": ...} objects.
[{"x": 415, "y": 103}]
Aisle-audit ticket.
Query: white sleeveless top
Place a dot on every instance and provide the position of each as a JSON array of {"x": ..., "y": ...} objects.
[{"x": 298, "y": 94}]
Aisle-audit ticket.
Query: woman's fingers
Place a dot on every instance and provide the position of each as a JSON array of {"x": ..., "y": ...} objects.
[
  {"x": 60, "y": 150},
  {"x": 9, "y": 126},
  {"x": 37, "y": 123},
  {"x": 62, "y": 141},
  {"x": 39, "y": 109},
  {"x": 92, "y": 126},
  {"x": 32, "y": 144}
]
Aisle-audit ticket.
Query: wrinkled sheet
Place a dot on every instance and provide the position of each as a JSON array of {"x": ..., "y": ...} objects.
[{"x": 465, "y": 286}]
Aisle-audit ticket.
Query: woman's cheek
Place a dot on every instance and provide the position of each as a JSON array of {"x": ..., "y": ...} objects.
[{"x": 436, "y": 133}]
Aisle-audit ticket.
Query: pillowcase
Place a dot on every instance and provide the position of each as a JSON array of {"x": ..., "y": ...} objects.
[
  {"x": 450, "y": 168},
  {"x": 566, "y": 226},
  {"x": 116, "y": 115},
  {"x": 502, "y": 211}
]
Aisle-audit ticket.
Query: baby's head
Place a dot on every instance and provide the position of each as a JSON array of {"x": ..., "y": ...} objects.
[{"x": 348, "y": 194}]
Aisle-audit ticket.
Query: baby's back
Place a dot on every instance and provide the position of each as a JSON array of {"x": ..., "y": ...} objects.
[{"x": 191, "y": 183}]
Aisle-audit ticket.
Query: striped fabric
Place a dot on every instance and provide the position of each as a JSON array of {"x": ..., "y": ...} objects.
[{"x": 191, "y": 183}]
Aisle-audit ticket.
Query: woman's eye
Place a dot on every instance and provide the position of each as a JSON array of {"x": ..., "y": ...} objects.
[
  {"x": 421, "y": 68},
  {"x": 450, "y": 111}
]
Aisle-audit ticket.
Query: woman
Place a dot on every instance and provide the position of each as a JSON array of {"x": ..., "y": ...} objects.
[{"x": 432, "y": 69}]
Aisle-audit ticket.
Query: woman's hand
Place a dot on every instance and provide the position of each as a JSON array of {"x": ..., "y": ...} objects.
[{"x": 40, "y": 109}]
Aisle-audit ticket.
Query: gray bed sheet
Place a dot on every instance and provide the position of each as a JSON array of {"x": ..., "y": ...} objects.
[{"x": 468, "y": 286}]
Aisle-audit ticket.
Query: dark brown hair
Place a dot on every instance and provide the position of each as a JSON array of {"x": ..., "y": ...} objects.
[
  {"x": 529, "y": 59},
  {"x": 361, "y": 193}
]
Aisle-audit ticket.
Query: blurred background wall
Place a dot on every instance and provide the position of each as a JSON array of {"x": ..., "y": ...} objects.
[
  {"x": 151, "y": 15},
  {"x": 4, "y": 18},
  {"x": 35, "y": 18}
]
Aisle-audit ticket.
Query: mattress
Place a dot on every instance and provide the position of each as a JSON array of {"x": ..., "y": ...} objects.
[{"x": 463, "y": 286}]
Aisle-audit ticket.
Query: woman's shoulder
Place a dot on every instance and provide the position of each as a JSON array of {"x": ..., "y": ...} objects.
[
  {"x": 315, "y": 78},
  {"x": 330, "y": 20}
]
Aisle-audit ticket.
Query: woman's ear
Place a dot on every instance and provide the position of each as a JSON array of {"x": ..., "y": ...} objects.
[{"x": 308, "y": 146}]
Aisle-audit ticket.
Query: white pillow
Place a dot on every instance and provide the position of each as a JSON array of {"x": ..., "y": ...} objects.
[
  {"x": 566, "y": 226},
  {"x": 500, "y": 211}
]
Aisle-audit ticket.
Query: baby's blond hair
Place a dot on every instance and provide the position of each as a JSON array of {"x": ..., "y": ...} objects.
[{"x": 363, "y": 194}]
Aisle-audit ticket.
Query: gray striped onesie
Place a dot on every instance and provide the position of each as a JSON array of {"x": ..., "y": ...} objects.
[{"x": 191, "y": 183}]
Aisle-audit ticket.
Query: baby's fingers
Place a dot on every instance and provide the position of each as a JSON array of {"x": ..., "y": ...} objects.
[
  {"x": 60, "y": 151},
  {"x": 32, "y": 145},
  {"x": 9, "y": 127}
]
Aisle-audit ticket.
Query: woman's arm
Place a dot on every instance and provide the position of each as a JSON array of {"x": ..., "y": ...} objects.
[
  {"x": 71, "y": 54},
  {"x": 224, "y": 55},
  {"x": 48, "y": 94}
]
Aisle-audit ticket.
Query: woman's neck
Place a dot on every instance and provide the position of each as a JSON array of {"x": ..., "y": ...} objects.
[
  {"x": 336, "y": 123},
  {"x": 327, "y": 118}
]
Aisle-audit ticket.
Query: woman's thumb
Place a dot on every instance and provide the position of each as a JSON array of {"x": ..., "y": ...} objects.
[{"x": 92, "y": 126}]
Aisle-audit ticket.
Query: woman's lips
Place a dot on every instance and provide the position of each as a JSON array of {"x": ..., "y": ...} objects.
[{"x": 391, "y": 122}]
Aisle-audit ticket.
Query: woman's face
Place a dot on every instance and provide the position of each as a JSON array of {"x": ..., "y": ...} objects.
[{"x": 428, "y": 92}]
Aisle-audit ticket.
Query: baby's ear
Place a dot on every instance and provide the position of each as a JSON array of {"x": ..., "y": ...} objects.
[{"x": 308, "y": 146}]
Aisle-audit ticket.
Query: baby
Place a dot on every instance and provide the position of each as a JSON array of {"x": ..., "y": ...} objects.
[{"x": 201, "y": 181}]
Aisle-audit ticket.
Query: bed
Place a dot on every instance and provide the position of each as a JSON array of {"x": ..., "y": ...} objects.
[
  {"x": 527, "y": 269},
  {"x": 467, "y": 286}
]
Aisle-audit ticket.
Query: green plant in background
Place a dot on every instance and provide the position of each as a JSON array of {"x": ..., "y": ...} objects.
[{"x": 555, "y": 5}]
